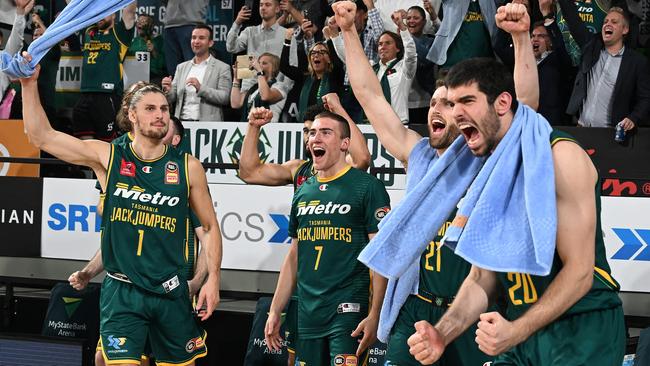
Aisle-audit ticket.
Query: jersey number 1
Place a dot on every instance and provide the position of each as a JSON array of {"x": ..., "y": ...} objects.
[{"x": 140, "y": 237}]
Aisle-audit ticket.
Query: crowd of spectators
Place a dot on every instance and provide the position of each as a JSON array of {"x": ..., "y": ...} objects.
[{"x": 589, "y": 69}]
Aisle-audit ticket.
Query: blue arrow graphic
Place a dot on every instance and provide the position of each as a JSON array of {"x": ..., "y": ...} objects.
[
  {"x": 645, "y": 253},
  {"x": 113, "y": 342},
  {"x": 631, "y": 244},
  {"x": 282, "y": 235}
]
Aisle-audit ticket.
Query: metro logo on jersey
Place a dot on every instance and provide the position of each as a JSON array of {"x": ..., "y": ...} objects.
[
  {"x": 316, "y": 208},
  {"x": 136, "y": 193},
  {"x": 127, "y": 168}
]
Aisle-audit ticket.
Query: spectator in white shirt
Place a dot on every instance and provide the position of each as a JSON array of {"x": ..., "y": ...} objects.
[
  {"x": 255, "y": 40},
  {"x": 201, "y": 86},
  {"x": 397, "y": 66}
]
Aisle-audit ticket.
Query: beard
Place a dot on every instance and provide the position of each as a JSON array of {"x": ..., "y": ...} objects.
[
  {"x": 490, "y": 126},
  {"x": 154, "y": 134},
  {"x": 444, "y": 141}
]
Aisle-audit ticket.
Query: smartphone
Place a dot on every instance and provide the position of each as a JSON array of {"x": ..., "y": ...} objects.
[
  {"x": 244, "y": 67},
  {"x": 249, "y": 4}
]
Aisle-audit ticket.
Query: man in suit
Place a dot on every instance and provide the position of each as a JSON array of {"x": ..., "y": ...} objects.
[
  {"x": 613, "y": 82},
  {"x": 205, "y": 82}
]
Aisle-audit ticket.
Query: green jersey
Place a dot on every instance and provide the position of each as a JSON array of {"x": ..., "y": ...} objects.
[
  {"x": 441, "y": 270},
  {"x": 144, "y": 226},
  {"x": 331, "y": 218},
  {"x": 191, "y": 247},
  {"x": 523, "y": 290},
  {"x": 473, "y": 38},
  {"x": 103, "y": 54},
  {"x": 592, "y": 13}
]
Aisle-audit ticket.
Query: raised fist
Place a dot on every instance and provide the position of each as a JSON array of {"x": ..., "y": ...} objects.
[
  {"x": 513, "y": 18},
  {"x": 344, "y": 12}
]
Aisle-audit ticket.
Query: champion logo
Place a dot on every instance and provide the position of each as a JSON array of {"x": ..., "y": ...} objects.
[
  {"x": 146, "y": 169},
  {"x": 322, "y": 187}
]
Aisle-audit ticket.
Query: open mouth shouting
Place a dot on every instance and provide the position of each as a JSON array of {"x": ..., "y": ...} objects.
[
  {"x": 317, "y": 151},
  {"x": 608, "y": 31},
  {"x": 437, "y": 125},
  {"x": 471, "y": 134},
  {"x": 536, "y": 47}
]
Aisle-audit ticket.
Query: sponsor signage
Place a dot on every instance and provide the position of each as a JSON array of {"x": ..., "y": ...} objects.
[
  {"x": 254, "y": 223},
  {"x": 68, "y": 78},
  {"x": 71, "y": 224},
  {"x": 14, "y": 143},
  {"x": 626, "y": 230},
  {"x": 20, "y": 217},
  {"x": 221, "y": 142}
]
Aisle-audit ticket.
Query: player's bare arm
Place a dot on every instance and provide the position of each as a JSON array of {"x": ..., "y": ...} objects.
[
  {"x": 575, "y": 182},
  {"x": 201, "y": 204},
  {"x": 428, "y": 342},
  {"x": 359, "y": 156},
  {"x": 251, "y": 169},
  {"x": 368, "y": 326},
  {"x": 398, "y": 140},
  {"x": 514, "y": 19},
  {"x": 80, "y": 279},
  {"x": 201, "y": 271},
  {"x": 91, "y": 153},
  {"x": 283, "y": 290},
  {"x": 128, "y": 15}
]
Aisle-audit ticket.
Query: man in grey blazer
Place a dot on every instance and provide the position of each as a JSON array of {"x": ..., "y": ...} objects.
[{"x": 201, "y": 86}]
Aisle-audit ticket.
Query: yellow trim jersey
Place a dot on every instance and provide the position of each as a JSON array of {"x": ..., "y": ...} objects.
[
  {"x": 145, "y": 219},
  {"x": 103, "y": 54},
  {"x": 331, "y": 219}
]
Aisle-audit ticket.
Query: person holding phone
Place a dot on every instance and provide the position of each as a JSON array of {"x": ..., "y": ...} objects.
[{"x": 264, "y": 93}]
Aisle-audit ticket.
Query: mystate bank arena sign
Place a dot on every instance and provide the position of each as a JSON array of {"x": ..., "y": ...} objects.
[{"x": 221, "y": 142}]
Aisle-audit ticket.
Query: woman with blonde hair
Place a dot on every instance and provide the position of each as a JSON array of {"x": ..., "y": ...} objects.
[{"x": 324, "y": 73}]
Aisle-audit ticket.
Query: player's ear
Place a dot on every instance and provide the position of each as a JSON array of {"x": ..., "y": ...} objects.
[
  {"x": 345, "y": 144},
  {"x": 502, "y": 103},
  {"x": 176, "y": 140},
  {"x": 132, "y": 116}
]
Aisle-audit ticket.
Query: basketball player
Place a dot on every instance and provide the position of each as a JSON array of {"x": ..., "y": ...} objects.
[
  {"x": 573, "y": 316},
  {"x": 441, "y": 271},
  {"x": 333, "y": 216},
  {"x": 148, "y": 189}
]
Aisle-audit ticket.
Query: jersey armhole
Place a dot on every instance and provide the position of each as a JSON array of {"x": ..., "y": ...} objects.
[
  {"x": 187, "y": 176},
  {"x": 110, "y": 168},
  {"x": 294, "y": 174}
]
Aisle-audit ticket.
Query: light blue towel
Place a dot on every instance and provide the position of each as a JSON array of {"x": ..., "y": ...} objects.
[
  {"x": 507, "y": 222},
  {"x": 77, "y": 15},
  {"x": 431, "y": 196}
]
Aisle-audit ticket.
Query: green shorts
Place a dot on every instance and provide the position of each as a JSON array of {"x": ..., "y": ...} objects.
[
  {"x": 291, "y": 325},
  {"x": 335, "y": 350},
  {"x": 595, "y": 338},
  {"x": 463, "y": 351},
  {"x": 131, "y": 316}
]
